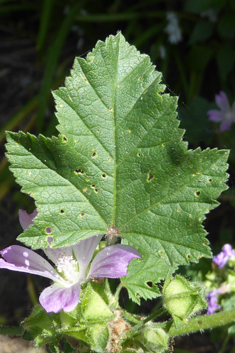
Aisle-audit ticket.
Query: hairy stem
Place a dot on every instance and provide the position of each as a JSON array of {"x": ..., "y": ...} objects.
[{"x": 204, "y": 322}]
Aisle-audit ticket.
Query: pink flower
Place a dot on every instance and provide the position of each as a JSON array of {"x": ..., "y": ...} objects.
[
  {"x": 226, "y": 114},
  {"x": 74, "y": 266},
  {"x": 212, "y": 299},
  {"x": 222, "y": 258}
]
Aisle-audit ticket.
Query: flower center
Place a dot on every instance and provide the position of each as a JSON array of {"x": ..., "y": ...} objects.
[
  {"x": 229, "y": 116},
  {"x": 68, "y": 268}
]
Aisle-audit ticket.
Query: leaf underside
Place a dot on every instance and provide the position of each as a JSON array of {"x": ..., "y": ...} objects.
[{"x": 119, "y": 164}]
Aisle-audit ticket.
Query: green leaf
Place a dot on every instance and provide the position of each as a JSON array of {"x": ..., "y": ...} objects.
[
  {"x": 225, "y": 58},
  {"x": 43, "y": 326},
  {"x": 139, "y": 284},
  {"x": 119, "y": 165},
  {"x": 201, "y": 32},
  {"x": 226, "y": 25},
  {"x": 200, "y": 6},
  {"x": 199, "y": 57},
  {"x": 195, "y": 120}
]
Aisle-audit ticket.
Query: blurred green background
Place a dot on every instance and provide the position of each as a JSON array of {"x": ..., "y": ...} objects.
[{"x": 191, "y": 42}]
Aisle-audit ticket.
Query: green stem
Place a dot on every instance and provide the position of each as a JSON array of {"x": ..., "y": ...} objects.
[
  {"x": 31, "y": 290},
  {"x": 150, "y": 317},
  {"x": 224, "y": 343},
  {"x": 116, "y": 295},
  {"x": 15, "y": 331},
  {"x": 204, "y": 322}
]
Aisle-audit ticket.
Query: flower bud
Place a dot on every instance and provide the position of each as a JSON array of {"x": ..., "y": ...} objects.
[
  {"x": 182, "y": 298},
  {"x": 153, "y": 338}
]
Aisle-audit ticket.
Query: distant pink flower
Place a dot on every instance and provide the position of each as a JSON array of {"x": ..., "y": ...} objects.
[
  {"x": 212, "y": 299},
  {"x": 74, "y": 265},
  {"x": 222, "y": 258},
  {"x": 226, "y": 114}
]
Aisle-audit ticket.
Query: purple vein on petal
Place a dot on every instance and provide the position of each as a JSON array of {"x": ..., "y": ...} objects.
[
  {"x": 55, "y": 298},
  {"x": 112, "y": 261},
  {"x": 84, "y": 251}
]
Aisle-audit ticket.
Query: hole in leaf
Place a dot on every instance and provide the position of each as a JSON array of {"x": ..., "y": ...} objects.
[
  {"x": 188, "y": 256},
  {"x": 65, "y": 139},
  {"x": 104, "y": 175},
  {"x": 93, "y": 185},
  {"x": 210, "y": 180},
  {"x": 150, "y": 177},
  {"x": 61, "y": 211},
  {"x": 48, "y": 230},
  {"x": 138, "y": 154},
  {"x": 96, "y": 190},
  {"x": 79, "y": 171},
  {"x": 93, "y": 154},
  {"x": 198, "y": 193},
  {"x": 82, "y": 214},
  {"x": 149, "y": 284},
  {"x": 50, "y": 240}
]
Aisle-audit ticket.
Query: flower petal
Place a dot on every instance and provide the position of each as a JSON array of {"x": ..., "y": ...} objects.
[
  {"x": 55, "y": 254},
  {"x": 112, "y": 261},
  {"x": 26, "y": 219},
  {"x": 84, "y": 251},
  {"x": 222, "y": 101},
  {"x": 225, "y": 126},
  {"x": 220, "y": 260},
  {"x": 233, "y": 110},
  {"x": 228, "y": 250},
  {"x": 55, "y": 298},
  {"x": 20, "y": 259},
  {"x": 216, "y": 115}
]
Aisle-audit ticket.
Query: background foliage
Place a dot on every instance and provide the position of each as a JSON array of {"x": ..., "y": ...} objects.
[{"x": 39, "y": 40}]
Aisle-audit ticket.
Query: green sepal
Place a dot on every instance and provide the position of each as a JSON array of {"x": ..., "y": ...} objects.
[
  {"x": 95, "y": 336},
  {"x": 43, "y": 326},
  {"x": 153, "y": 338},
  {"x": 77, "y": 332},
  {"x": 98, "y": 336},
  {"x": 94, "y": 306},
  {"x": 68, "y": 319}
]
